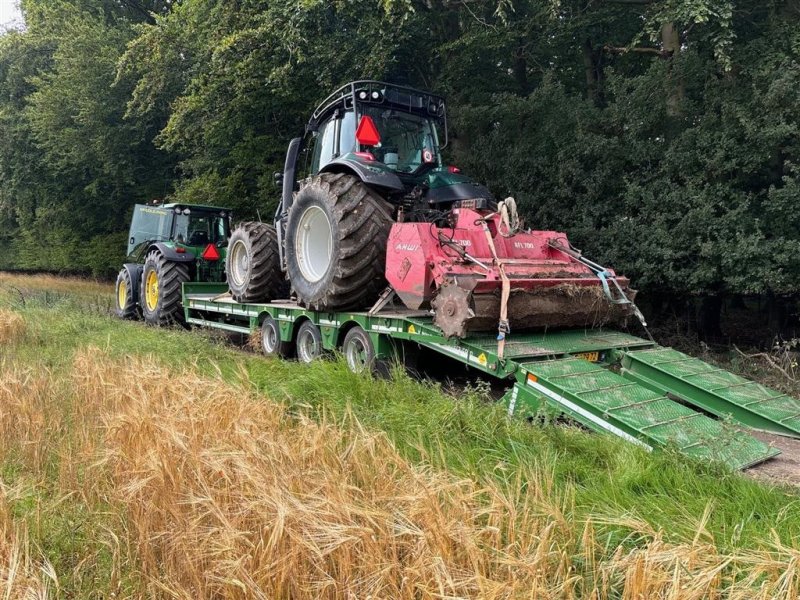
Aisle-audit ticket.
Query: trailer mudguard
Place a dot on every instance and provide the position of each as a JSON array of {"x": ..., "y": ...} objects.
[{"x": 371, "y": 176}]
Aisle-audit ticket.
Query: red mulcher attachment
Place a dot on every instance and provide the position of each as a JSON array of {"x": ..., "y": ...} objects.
[{"x": 464, "y": 273}]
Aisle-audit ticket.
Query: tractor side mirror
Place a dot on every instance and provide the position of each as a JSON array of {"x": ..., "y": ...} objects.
[{"x": 278, "y": 179}]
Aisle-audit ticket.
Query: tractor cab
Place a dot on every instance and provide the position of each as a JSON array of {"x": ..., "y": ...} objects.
[
  {"x": 187, "y": 233},
  {"x": 391, "y": 137},
  {"x": 189, "y": 227},
  {"x": 394, "y": 128},
  {"x": 169, "y": 245}
]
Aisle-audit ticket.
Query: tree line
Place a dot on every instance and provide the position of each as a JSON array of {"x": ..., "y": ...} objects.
[{"x": 662, "y": 135}]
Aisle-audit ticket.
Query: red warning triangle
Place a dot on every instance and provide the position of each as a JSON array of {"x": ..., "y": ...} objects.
[
  {"x": 367, "y": 134},
  {"x": 210, "y": 253}
]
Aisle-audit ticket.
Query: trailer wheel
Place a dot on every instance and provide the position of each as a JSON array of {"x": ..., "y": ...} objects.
[
  {"x": 309, "y": 342},
  {"x": 161, "y": 289},
  {"x": 359, "y": 351},
  {"x": 252, "y": 265},
  {"x": 271, "y": 343},
  {"x": 126, "y": 298}
]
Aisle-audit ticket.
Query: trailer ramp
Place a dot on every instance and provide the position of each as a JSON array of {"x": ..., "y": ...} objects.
[
  {"x": 712, "y": 389},
  {"x": 578, "y": 373},
  {"x": 608, "y": 402}
]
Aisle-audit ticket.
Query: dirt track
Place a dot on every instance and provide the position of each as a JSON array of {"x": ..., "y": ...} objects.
[{"x": 785, "y": 468}]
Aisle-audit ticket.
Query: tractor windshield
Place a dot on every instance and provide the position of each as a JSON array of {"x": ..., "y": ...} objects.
[
  {"x": 405, "y": 139},
  {"x": 199, "y": 228},
  {"x": 149, "y": 224}
]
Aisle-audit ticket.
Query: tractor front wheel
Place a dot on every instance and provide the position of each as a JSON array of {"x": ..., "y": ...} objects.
[
  {"x": 252, "y": 264},
  {"x": 161, "y": 289},
  {"x": 336, "y": 239},
  {"x": 126, "y": 299}
]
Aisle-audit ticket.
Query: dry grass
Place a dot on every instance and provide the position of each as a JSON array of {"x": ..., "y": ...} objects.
[
  {"x": 31, "y": 420},
  {"x": 20, "y": 284},
  {"x": 210, "y": 490},
  {"x": 21, "y": 577},
  {"x": 12, "y": 326},
  {"x": 228, "y": 496},
  {"x": 254, "y": 342}
]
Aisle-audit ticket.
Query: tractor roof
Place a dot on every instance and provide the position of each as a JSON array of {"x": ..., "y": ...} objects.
[
  {"x": 194, "y": 206},
  {"x": 380, "y": 93}
]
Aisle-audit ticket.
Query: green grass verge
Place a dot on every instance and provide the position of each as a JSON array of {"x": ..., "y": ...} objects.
[{"x": 601, "y": 476}]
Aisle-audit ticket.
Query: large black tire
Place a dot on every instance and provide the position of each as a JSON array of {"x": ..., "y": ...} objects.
[
  {"x": 125, "y": 305},
  {"x": 162, "y": 305},
  {"x": 252, "y": 264},
  {"x": 359, "y": 221}
]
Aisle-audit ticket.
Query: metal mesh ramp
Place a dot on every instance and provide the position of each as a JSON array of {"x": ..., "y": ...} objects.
[
  {"x": 557, "y": 343},
  {"x": 713, "y": 389},
  {"x": 521, "y": 345},
  {"x": 606, "y": 401}
]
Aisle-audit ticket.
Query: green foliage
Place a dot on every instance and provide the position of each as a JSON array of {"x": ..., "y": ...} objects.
[{"x": 674, "y": 160}]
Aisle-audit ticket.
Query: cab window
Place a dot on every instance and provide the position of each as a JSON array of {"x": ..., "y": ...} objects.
[
  {"x": 324, "y": 146},
  {"x": 404, "y": 138},
  {"x": 200, "y": 228},
  {"x": 149, "y": 224},
  {"x": 347, "y": 134}
]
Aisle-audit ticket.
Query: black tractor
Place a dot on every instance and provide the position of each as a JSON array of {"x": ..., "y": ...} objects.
[{"x": 371, "y": 157}]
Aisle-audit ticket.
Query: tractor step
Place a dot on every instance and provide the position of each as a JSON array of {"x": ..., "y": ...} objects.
[
  {"x": 605, "y": 401},
  {"x": 712, "y": 389}
]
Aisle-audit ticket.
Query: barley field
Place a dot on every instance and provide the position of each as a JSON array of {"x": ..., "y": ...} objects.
[{"x": 145, "y": 463}]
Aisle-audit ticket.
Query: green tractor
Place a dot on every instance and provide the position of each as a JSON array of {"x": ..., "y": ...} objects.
[
  {"x": 371, "y": 157},
  {"x": 370, "y": 212},
  {"x": 168, "y": 245}
]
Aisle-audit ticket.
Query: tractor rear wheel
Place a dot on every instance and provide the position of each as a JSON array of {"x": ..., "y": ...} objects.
[
  {"x": 252, "y": 264},
  {"x": 336, "y": 238},
  {"x": 126, "y": 299},
  {"x": 161, "y": 289}
]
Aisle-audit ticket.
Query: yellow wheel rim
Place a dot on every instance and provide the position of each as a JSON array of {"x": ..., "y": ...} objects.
[
  {"x": 151, "y": 290},
  {"x": 122, "y": 294}
]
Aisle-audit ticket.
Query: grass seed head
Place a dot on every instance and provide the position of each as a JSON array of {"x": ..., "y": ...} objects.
[{"x": 12, "y": 326}]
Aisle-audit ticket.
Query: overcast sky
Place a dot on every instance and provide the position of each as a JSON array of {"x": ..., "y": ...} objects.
[{"x": 9, "y": 13}]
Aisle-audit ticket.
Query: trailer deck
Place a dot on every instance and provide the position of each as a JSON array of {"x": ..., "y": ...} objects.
[{"x": 608, "y": 381}]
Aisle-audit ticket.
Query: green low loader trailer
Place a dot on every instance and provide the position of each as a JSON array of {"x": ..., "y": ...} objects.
[{"x": 609, "y": 381}]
